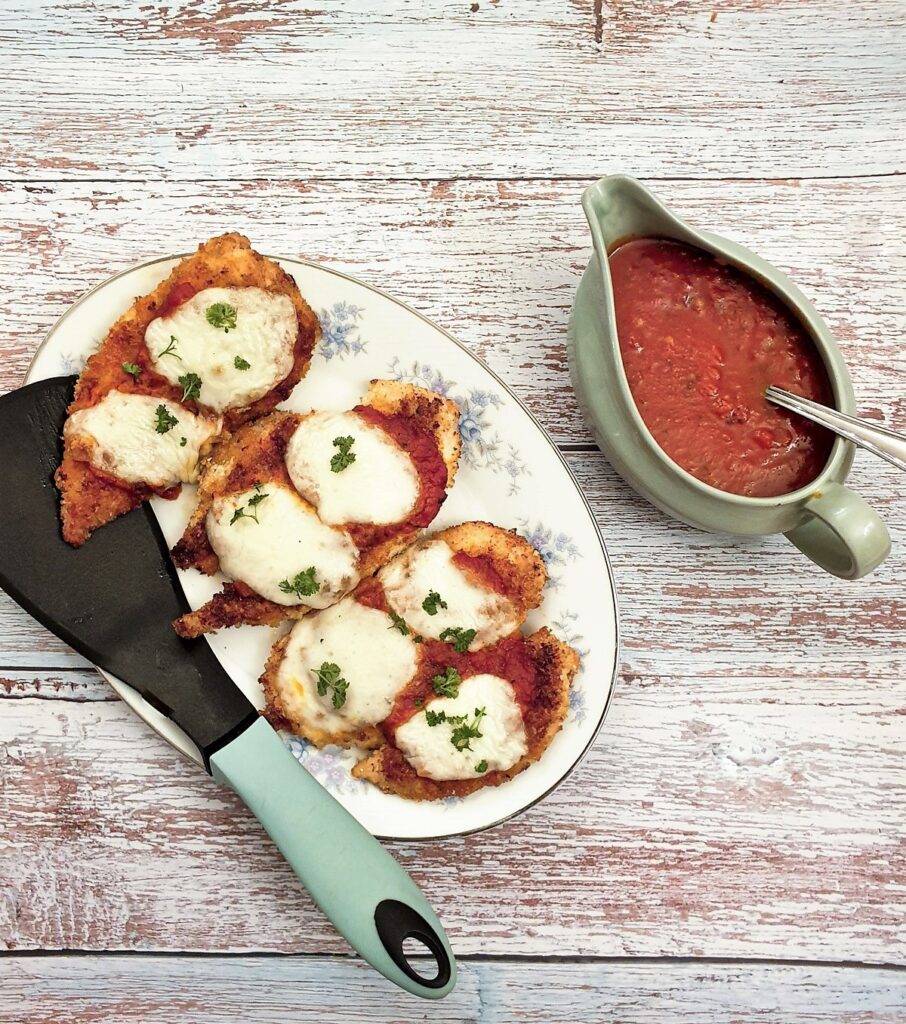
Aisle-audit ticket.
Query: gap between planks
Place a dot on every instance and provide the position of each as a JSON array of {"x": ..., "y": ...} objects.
[{"x": 522, "y": 959}]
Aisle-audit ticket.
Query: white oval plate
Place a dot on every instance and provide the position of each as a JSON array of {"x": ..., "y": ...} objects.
[{"x": 511, "y": 474}]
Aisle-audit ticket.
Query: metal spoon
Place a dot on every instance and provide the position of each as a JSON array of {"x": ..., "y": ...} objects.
[{"x": 888, "y": 444}]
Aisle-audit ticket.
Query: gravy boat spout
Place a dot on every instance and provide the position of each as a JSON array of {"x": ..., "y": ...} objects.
[{"x": 829, "y": 523}]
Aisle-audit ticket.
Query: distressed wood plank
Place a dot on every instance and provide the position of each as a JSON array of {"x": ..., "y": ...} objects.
[
  {"x": 496, "y": 263},
  {"x": 713, "y": 817},
  {"x": 78, "y": 685},
  {"x": 716, "y": 606},
  {"x": 132, "y": 990},
  {"x": 208, "y": 90}
]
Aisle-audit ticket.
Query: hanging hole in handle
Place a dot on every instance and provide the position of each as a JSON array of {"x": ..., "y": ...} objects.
[{"x": 404, "y": 932}]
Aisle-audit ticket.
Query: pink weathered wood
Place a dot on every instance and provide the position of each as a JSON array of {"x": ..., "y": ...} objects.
[
  {"x": 746, "y": 798},
  {"x": 495, "y": 263},
  {"x": 246, "y": 90},
  {"x": 714, "y": 817}
]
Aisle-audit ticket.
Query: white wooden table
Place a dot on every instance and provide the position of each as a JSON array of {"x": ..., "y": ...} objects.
[{"x": 732, "y": 849}]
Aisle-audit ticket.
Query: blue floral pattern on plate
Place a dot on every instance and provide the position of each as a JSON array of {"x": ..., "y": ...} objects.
[
  {"x": 331, "y": 766},
  {"x": 341, "y": 330},
  {"x": 482, "y": 446},
  {"x": 72, "y": 362},
  {"x": 557, "y": 549}
]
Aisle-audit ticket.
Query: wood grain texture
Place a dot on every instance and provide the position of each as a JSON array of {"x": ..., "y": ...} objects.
[
  {"x": 747, "y": 795},
  {"x": 713, "y": 817},
  {"x": 434, "y": 89},
  {"x": 285, "y": 990},
  {"x": 496, "y": 263}
]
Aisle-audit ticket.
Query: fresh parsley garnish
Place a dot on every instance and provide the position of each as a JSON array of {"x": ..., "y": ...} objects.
[
  {"x": 170, "y": 350},
  {"x": 432, "y": 602},
  {"x": 253, "y": 504},
  {"x": 418, "y": 639},
  {"x": 345, "y": 456},
  {"x": 165, "y": 421},
  {"x": 183, "y": 442},
  {"x": 329, "y": 678},
  {"x": 447, "y": 683},
  {"x": 481, "y": 767},
  {"x": 460, "y": 638},
  {"x": 465, "y": 732},
  {"x": 221, "y": 315},
  {"x": 133, "y": 369},
  {"x": 303, "y": 584},
  {"x": 398, "y": 623},
  {"x": 191, "y": 386},
  {"x": 419, "y": 702},
  {"x": 240, "y": 363}
]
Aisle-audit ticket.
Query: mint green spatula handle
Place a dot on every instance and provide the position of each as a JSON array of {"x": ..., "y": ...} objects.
[{"x": 370, "y": 899}]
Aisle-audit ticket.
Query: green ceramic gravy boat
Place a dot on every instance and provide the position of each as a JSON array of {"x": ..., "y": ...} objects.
[{"x": 829, "y": 523}]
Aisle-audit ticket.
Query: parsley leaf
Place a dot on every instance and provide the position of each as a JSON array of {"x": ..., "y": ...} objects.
[
  {"x": 133, "y": 369},
  {"x": 481, "y": 767},
  {"x": 345, "y": 456},
  {"x": 183, "y": 442},
  {"x": 460, "y": 638},
  {"x": 191, "y": 386},
  {"x": 170, "y": 350},
  {"x": 398, "y": 623},
  {"x": 464, "y": 733},
  {"x": 329, "y": 678},
  {"x": 165, "y": 421},
  {"x": 253, "y": 503},
  {"x": 240, "y": 363},
  {"x": 303, "y": 584},
  {"x": 221, "y": 315},
  {"x": 432, "y": 602},
  {"x": 447, "y": 683}
]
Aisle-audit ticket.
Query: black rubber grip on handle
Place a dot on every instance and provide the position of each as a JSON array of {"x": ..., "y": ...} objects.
[{"x": 395, "y": 922}]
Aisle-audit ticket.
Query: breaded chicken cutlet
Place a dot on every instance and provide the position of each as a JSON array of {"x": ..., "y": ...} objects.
[
  {"x": 425, "y": 664},
  {"x": 221, "y": 341},
  {"x": 297, "y": 508}
]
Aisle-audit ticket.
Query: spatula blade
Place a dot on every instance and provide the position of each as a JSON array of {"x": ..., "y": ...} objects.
[{"x": 113, "y": 599}]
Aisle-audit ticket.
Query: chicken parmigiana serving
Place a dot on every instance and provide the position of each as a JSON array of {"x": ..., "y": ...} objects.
[
  {"x": 296, "y": 509},
  {"x": 221, "y": 341}
]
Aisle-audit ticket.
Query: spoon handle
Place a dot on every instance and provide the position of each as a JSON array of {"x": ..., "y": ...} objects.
[{"x": 888, "y": 444}]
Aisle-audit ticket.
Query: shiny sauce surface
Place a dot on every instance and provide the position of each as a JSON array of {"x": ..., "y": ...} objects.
[{"x": 700, "y": 342}]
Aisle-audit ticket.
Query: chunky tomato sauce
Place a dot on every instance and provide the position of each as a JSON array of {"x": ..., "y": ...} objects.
[{"x": 700, "y": 342}]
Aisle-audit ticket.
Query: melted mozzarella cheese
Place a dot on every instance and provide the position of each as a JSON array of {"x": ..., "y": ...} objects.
[
  {"x": 409, "y": 578},
  {"x": 380, "y": 486},
  {"x": 287, "y": 539},
  {"x": 263, "y": 337},
  {"x": 430, "y": 750},
  {"x": 127, "y": 444},
  {"x": 375, "y": 661}
]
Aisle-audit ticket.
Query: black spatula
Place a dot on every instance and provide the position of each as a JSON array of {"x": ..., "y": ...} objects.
[{"x": 112, "y": 600}]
